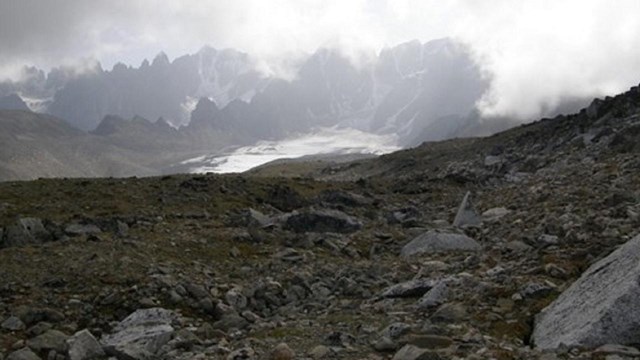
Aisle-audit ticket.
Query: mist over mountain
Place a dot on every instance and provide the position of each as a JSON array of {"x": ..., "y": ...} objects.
[
  {"x": 164, "y": 113},
  {"x": 403, "y": 90}
]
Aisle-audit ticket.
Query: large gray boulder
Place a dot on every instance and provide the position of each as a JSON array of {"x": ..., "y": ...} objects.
[
  {"x": 601, "y": 307},
  {"x": 141, "y": 335},
  {"x": 435, "y": 241},
  {"x": 24, "y": 232}
]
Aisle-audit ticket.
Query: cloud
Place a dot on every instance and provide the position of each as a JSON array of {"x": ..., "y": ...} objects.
[{"x": 538, "y": 52}]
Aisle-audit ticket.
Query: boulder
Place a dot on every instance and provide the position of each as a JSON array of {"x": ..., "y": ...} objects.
[
  {"x": 23, "y": 354},
  {"x": 50, "y": 340},
  {"x": 436, "y": 296},
  {"x": 322, "y": 221},
  {"x": 83, "y": 346},
  {"x": 466, "y": 215},
  {"x": 141, "y": 335},
  {"x": 32, "y": 316},
  {"x": 13, "y": 323},
  {"x": 435, "y": 241},
  {"x": 24, "y": 232},
  {"x": 599, "y": 308},
  {"x": 413, "y": 288}
]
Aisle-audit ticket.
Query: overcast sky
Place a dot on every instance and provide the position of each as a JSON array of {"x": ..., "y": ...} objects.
[{"x": 537, "y": 51}]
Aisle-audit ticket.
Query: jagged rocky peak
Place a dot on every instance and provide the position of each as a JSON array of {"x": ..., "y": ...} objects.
[
  {"x": 204, "y": 113},
  {"x": 400, "y": 61},
  {"x": 161, "y": 60},
  {"x": 110, "y": 124}
]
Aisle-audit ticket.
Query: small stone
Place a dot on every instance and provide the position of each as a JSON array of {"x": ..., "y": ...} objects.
[
  {"x": 517, "y": 246},
  {"x": 412, "y": 288},
  {"x": 229, "y": 322},
  {"x": 430, "y": 341},
  {"x": 13, "y": 323},
  {"x": 122, "y": 229},
  {"x": 411, "y": 352},
  {"x": 495, "y": 271},
  {"x": 546, "y": 239},
  {"x": 282, "y": 352},
  {"x": 395, "y": 330},
  {"x": 206, "y": 305},
  {"x": 39, "y": 328},
  {"x": 251, "y": 316},
  {"x": 495, "y": 213},
  {"x": 535, "y": 290},
  {"x": 450, "y": 313},
  {"x": 320, "y": 352},
  {"x": 196, "y": 291},
  {"x": 615, "y": 349},
  {"x": 436, "y": 296},
  {"x": 385, "y": 344},
  {"x": 236, "y": 299},
  {"x": 242, "y": 354},
  {"x": 80, "y": 229}
]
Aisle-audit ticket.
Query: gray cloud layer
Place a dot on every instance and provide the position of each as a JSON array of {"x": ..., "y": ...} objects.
[{"x": 537, "y": 51}]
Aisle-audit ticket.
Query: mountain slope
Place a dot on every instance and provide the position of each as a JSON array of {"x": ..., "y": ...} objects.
[{"x": 35, "y": 145}]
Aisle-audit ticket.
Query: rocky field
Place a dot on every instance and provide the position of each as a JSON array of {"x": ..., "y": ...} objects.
[{"x": 448, "y": 251}]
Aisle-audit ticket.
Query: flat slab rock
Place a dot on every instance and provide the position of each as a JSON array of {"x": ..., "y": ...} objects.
[
  {"x": 601, "y": 307},
  {"x": 435, "y": 241}
]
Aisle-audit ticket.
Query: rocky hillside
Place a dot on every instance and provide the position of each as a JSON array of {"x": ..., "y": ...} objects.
[
  {"x": 490, "y": 248},
  {"x": 34, "y": 145}
]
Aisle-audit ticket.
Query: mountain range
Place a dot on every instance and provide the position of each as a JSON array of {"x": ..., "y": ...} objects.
[{"x": 164, "y": 112}]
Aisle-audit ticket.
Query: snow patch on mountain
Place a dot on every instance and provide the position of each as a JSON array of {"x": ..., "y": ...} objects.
[{"x": 325, "y": 141}]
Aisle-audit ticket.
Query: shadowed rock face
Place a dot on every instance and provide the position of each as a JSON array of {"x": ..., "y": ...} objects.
[
  {"x": 322, "y": 221},
  {"x": 13, "y": 102},
  {"x": 601, "y": 307}
]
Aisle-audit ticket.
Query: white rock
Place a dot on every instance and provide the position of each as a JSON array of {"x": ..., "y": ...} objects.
[{"x": 141, "y": 334}]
